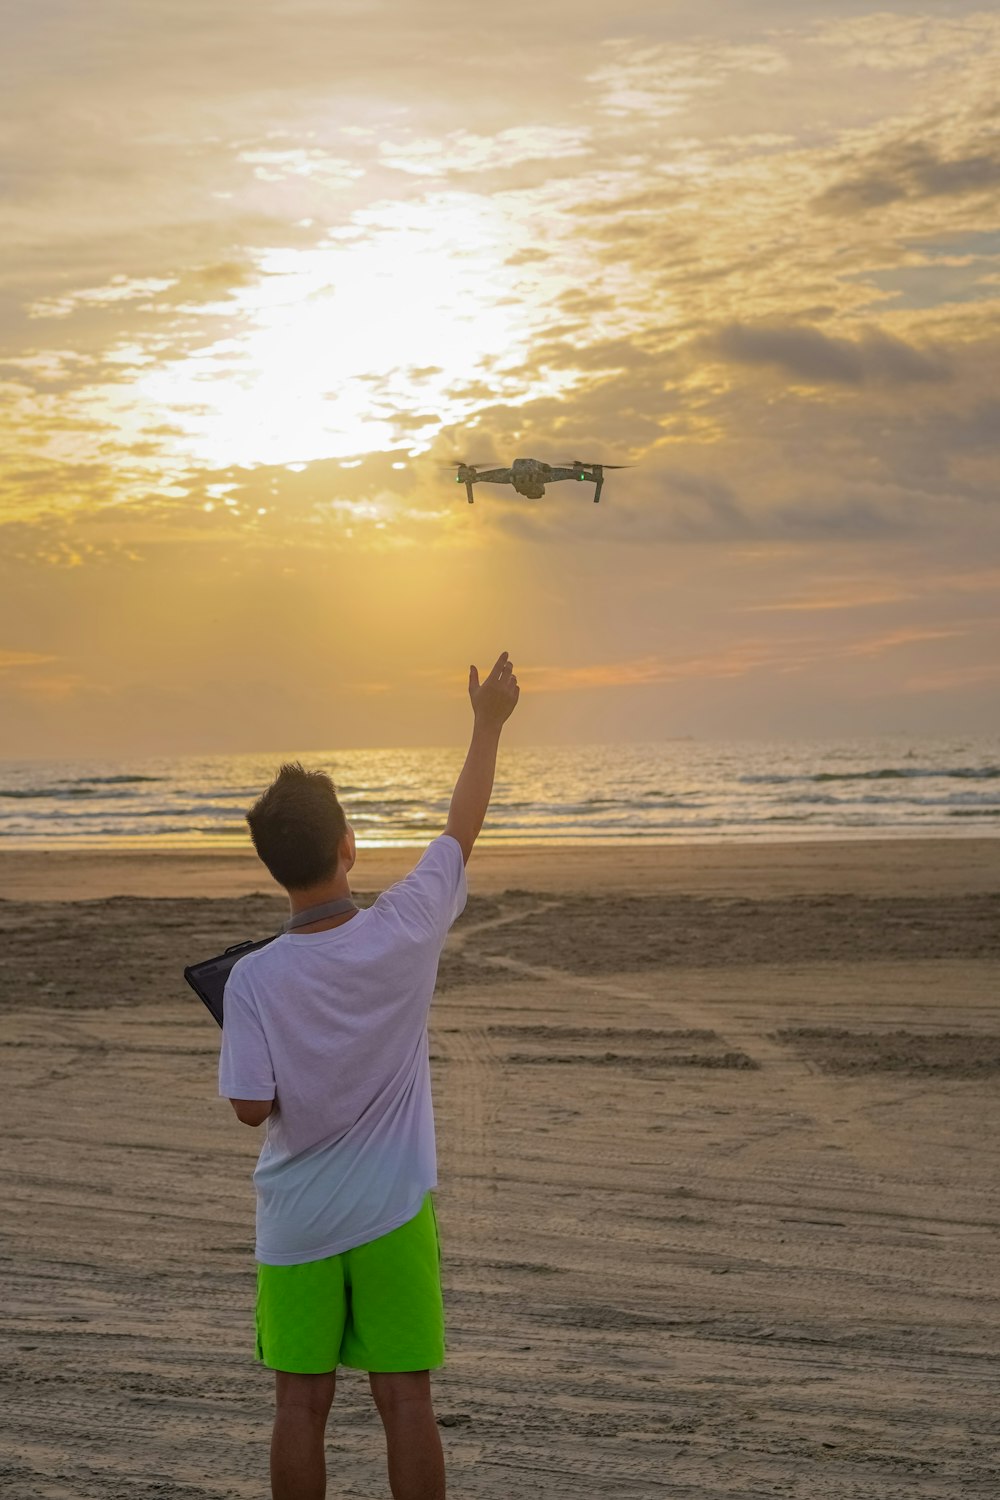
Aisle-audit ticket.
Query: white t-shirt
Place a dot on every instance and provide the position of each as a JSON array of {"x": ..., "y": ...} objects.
[{"x": 335, "y": 1024}]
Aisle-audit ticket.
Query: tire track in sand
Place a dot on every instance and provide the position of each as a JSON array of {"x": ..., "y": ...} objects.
[
  {"x": 480, "y": 1074},
  {"x": 811, "y": 1100}
]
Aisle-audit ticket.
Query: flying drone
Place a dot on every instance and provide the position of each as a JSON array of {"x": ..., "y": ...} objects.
[{"x": 529, "y": 476}]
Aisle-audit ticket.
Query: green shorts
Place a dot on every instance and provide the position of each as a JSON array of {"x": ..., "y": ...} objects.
[{"x": 376, "y": 1307}]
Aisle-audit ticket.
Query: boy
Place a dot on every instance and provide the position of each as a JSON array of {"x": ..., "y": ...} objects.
[{"x": 325, "y": 1037}]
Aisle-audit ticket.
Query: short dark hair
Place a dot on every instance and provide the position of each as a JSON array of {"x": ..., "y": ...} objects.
[{"x": 297, "y": 825}]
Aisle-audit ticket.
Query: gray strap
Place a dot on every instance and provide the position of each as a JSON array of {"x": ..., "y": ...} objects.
[{"x": 316, "y": 913}]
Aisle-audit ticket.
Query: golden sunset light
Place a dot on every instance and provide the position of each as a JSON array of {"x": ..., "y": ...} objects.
[
  {"x": 500, "y": 749},
  {"x": 752, "y": 252}
]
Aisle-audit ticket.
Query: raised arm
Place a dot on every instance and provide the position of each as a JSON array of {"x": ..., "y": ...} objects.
[{"x": 492, "y": 704}]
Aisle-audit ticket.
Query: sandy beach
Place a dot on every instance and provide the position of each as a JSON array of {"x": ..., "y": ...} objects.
[{"x": 718, "y": 1135}]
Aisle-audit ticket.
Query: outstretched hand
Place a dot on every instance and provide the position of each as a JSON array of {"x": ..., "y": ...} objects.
[{"x": 493, "y": 699}]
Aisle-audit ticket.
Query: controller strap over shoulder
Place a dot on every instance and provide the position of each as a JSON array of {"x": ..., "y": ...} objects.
[{"x": 317, "y": 913}]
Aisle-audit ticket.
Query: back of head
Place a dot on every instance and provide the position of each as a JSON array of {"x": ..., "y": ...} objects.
[{"x": 297, "y": 826}]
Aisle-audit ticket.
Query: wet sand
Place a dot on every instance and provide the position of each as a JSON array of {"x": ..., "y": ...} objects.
[{"x": 719, "y": 1139}]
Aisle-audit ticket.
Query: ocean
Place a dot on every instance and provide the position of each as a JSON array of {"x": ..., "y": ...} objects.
[{"x": 672, "y": 792}]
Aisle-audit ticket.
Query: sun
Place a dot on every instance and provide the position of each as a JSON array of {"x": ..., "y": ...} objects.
[{"x": 332, "y": 343}]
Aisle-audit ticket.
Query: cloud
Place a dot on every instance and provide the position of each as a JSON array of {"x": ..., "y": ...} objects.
[
  {"x": 741, "y": 658},
  {"x": 54, "y": 688},
  {"x": 12, "y": 659},
  {"x": 808, "y": 354},
  {"x": 892, "y": 640},
  {"x": 889, "y": 41},
  {"x": 119, "y": 289},
  {"x": 913, "y": 170},
  {"x": 953, "y": 679},
  {"x": 861, "y": 597},
  {"x": 661, "y": 80},
  {"x": 736, "y": 661},
  {"x": 527, "y": 257},
  {"x": 462, "y": 151}
]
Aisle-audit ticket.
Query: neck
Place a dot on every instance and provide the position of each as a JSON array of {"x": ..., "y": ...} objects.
[{"x": 334, "y": 889}]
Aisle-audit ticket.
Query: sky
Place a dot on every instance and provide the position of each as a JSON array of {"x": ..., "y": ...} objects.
[{"x": 267, "y": 264}]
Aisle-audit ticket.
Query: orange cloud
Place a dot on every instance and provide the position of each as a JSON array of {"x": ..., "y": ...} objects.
[
  {"x": 11, "y": 659},
  {"x": 777, "y": 656},
  {"x": 740, "y": 659},
  {"x": 893, "y": 638},
  {"x": 53, "y": 689},
  {"x": 887, "y": 594},
  {"x": 954, "y": 678}
]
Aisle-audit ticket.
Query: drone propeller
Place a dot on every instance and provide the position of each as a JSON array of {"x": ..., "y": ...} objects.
[
  {"x": 577, "y": 463},
  {"x": 460, "y": 463}
]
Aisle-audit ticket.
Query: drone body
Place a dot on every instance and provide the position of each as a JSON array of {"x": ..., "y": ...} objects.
[{"x": 529, "y": 476}]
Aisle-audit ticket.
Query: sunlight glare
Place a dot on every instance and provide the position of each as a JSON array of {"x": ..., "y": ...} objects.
[{"x": 333, "y": 335}]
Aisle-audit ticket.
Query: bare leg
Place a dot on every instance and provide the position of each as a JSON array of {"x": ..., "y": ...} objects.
[
  {"x": 298, "y": 1462},
  {"x": 412, "y": 1440}
]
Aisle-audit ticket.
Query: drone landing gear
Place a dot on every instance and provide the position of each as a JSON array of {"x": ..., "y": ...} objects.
[
  {"x": 468, "y": 489},
  {"x": 597, "y": 492}
]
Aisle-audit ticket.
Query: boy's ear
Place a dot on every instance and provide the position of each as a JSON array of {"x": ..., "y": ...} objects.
[{"x": 347, "y": 849}]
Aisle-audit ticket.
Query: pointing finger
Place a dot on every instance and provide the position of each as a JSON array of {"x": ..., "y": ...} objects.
[{"x": 473, "y": 678}]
